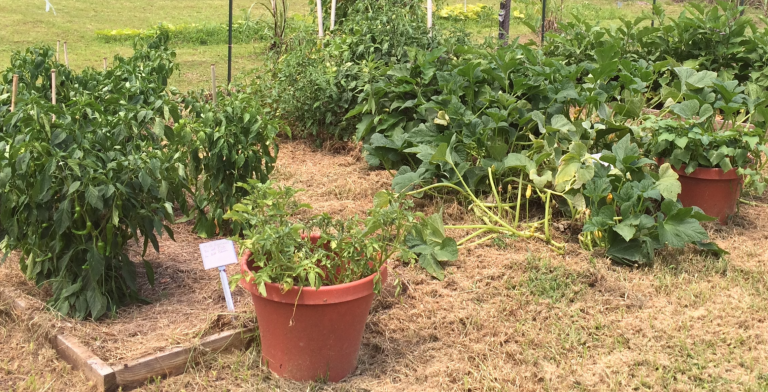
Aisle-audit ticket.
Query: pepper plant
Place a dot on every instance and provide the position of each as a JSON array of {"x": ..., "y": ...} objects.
[
  {"x": 75, "y": 189},
  {"x": 234, "y": 141}
]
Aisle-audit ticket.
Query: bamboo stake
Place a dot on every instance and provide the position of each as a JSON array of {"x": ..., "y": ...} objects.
[
  {"x": 320, "y": 19},
  {"x": 57, "y": 49},
  {"x": 429, "y": 16},
  {"x": 465, "y": 6},
  {"x": 105, "y": 63},
  {"x": 213, "y": 83},
  {"x": 333, "y": 14},
  {"x": 53, "y": 86},
  {"x": 13, "y": 93},
  {"x": 66, "y": 59}
]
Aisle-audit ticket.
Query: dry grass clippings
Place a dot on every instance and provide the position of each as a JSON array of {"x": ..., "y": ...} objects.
[{"x": 510, "y": 315}]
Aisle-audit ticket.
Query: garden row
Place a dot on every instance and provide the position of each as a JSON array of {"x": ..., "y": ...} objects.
[
  {"x": 93, "y": 160},
  {"x": 97, "y": 159},
  {"x": 597, "y": 126}
]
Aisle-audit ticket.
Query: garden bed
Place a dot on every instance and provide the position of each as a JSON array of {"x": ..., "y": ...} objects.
[{"x": 509, "y": 315}]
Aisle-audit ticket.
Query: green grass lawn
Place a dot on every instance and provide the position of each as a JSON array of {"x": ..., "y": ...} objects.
[{"x": 26, "y": 23}]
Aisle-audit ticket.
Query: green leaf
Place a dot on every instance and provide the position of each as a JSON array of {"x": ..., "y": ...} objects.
[
  {"x": 569, "y": 164},
  {"x": 72, "y": 188},
  {"x": 686, "y": 109},
  {"x": 62, "y": 218},
  {"x": 540, "y": 181},
  {"x": 677, "y": 232},
  {"x": 73, "y": 288},
  {"x": 159, "y": 128},
  {"x": 625, "y": 230},
  {"x": 628, "y": 252},
  {"x": 150, "y": 272},
  {"x": 432, "y": 265},
  {"x": 381, "y": 199},
  {"x": 93, "y": 198},
  {"x": 405, "y": 182},
  {"x": 96, "y": 302},
  {"x": 668, "y": 184},
  {"x": 447, "y": 251},
  {"x": 145, "y": 180},
  {"x": 519, "y": 161},
  {"x": 22, "y": 162},
  {"x": 442, "y": 154},
  {"x": 562, "y": 124}
]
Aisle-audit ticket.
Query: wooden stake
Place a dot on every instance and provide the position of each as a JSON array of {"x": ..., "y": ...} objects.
[
  {"x": 320, "y": 19},
  {"x": 66, "y": 59},
  {"x": 333, "y": 14},
  {"x": 53, "y": 85},
  {"x": 57, "y": 50},
  {"x": 505, "y": 8},
  {"x": 105, "y": 63},
  {"x": 465, "y": 6},
  {"x": 13, "y": 93},
  {"x": 429, "y": 16},
  {"x": 213, "y": 83}
]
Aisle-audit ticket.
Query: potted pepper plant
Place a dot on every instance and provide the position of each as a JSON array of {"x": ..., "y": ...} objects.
[
  {"x": 313, "y": 280},
  {"x": 711, "y": 142}
]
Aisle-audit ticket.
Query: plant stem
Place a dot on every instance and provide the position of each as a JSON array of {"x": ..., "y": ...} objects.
[
  {"x": 753, "y": 203},
  {"x": 519, "y": 196},
  {"x": 469, "y": 237},
  {"x": 480, "y": 241}
]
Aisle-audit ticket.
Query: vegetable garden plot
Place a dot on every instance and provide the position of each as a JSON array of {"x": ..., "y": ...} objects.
[
  {"x": 516, "y": 313},
  {"x": 186, "y": 304}
]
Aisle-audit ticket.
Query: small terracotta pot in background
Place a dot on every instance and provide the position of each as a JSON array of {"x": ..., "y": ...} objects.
[
  {"x": 715, "y": 191},
  {"x": 308, "y": 334}
]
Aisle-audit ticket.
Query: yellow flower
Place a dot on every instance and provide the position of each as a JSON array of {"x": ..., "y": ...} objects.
[
  {"x": 518, "y": 14},
  {"x": 528, "y": 192}
]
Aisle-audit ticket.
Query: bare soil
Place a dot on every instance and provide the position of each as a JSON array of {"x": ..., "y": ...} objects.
[{"x": 510, "y": 315}]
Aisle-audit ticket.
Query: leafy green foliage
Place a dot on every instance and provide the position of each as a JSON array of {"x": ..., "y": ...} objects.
[
  {"x": 713, "y": 38},
  {"x": 76, "y": 189},
  {"x": 315, "y": 83},
  {"x": 634, "y": 212},
  {"x": 718, "y": 124},
  {"x": 319, "y": 250},
  {"x": 231, "y": 142}
]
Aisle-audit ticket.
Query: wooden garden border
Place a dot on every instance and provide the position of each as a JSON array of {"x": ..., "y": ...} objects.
[{"x": 133, "y": 373}]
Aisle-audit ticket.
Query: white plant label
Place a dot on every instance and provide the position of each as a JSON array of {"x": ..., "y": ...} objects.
[{"x": 218, "y": 253}]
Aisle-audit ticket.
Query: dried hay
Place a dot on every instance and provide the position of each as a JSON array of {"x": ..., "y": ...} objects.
[{"x": 514, "y": 316}]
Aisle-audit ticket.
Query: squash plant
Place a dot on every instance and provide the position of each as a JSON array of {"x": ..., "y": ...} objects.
[
  {"x": 633, "y": 211},
  {"x": 234, "y": 142},
  {"x": 75, "y": 190}
]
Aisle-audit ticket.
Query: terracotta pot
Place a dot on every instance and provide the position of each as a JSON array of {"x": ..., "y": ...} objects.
[
  {"x": 308, "y": 334},
  {"x": 714, "y": 191}
]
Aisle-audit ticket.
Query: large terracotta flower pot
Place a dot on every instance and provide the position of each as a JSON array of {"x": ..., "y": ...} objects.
[
  {"x": 714, "y": 191},
  {"x": 308, "y": 334}
]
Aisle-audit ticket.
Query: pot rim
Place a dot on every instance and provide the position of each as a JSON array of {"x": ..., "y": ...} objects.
[
  {"x": 307, "y": 295},
  {"x": 705, "y": 173}
]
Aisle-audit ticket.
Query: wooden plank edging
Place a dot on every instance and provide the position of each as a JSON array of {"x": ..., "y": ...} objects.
[
  {"x": 81, "y": 358},
  {"x": 134, "y": 373},
  {"x": 174, "y": 362}
]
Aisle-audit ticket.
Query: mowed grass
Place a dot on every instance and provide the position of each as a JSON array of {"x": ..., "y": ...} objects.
[
  {"x": 25, "y": 23},
  {"x": 76, "y": 21}
]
